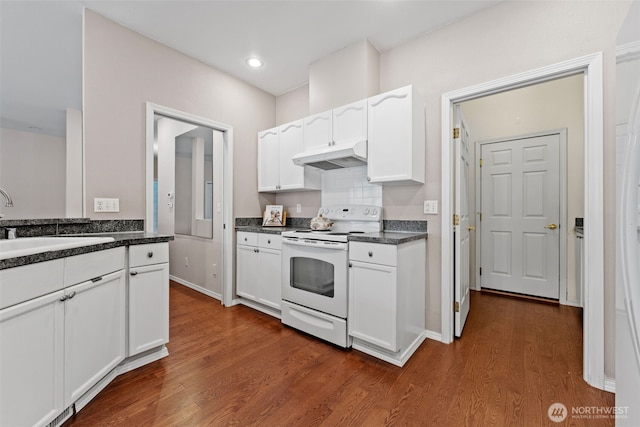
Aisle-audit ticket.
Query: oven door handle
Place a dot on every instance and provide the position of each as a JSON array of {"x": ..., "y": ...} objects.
[{"x": 316, "y": 244}]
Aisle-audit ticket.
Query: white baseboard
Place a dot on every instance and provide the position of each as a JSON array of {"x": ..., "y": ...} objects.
[
  {"x": 398, "y": 359},
  {"x": 264, "y": 309},
  {"x": 436, "y": 336},
  {"x": 609, "y": 384},
  {"x": 197, "y": 288}
]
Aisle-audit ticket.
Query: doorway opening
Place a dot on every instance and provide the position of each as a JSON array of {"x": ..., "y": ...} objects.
[
  {"x": 189, "y": 194},
  {"x": 591, "y": 68}
]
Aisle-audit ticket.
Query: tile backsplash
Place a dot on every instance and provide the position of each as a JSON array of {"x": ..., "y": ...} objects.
[{"x": 349, "y": 186}]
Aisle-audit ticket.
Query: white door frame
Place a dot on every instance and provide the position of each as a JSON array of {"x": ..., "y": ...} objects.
[
  {"x": 593, "y": 314},
  {"x": 562, "y": 194},
  {"x": 227, "y": 184}
]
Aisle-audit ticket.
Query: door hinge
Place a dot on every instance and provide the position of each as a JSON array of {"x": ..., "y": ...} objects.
[
  {"x": 456, "y": 133},
  {"x": 481, "y": 271},
  {"x": 456, "y": 220},
  {"x": 480, "y": 214},
  {"x": 480, "y": 162},
  {"x": 456, "y": 307}
]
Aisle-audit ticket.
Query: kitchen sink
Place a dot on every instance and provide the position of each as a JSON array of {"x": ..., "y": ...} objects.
[{"x": 11, "y": 248}]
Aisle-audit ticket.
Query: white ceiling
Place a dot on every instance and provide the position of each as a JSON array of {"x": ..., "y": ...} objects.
[{"x": 41, "y": 44}]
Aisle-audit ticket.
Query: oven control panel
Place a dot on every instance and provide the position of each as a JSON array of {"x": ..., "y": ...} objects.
[{"x": 352, "y": 212}]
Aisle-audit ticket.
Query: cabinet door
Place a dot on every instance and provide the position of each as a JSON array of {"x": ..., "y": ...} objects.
[
  {"x": 350, "y": 123},
  {"x": 247, "y": 272},
  {"x": 31, "y": 361},
  {"x": 270, "y": 269},
  {"x": 291, "y": 143},
  {"x": 373, "y": 315},
  {"x": 268, "y": 160},
  {"x": 94, "y": 332},
  {"x": 396, "y": 137},
  {"x": 318, "y": 131},
  {"x": 148, "y": 307}
]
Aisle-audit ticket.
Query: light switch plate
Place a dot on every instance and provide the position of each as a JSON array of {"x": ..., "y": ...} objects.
[
  {"x": 431, "y": 207},
  {"x": 101, "y": 204}
]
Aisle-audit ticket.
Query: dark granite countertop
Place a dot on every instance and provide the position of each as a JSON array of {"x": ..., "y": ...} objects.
[
  {"x": 266, "y": 230},
  {"x": 388, "y": 237},
  {"x": 126, "y": 238}
]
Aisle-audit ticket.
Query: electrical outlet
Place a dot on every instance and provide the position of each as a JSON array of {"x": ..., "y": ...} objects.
[
  {"x": 214, "y": 270},
  {"x": 298, "y": 208},
  {"x": 186, "y": 262},
  {"x": 431, "y": 207},
  {"x": 101, "y": 204}
]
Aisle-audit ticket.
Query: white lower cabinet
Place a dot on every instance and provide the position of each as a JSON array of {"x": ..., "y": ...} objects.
[
  {"x": 373, "y": 314},
  {"x": 94, "y": 332},
  {"x": 258, "y": 268},
  {"x": 31, "y": 361},
  {"x": 387, "y": 298},
  {"x": 148, "y": 297}
]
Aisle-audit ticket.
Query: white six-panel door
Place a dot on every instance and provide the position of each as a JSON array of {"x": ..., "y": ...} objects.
[{"x": 520, "y": 205}]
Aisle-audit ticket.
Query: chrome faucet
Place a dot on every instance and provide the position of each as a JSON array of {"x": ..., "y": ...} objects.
[{"x": 7, "y": 197}]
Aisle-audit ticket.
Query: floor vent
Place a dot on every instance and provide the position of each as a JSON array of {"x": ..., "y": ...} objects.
[{"x": 62, "y": 417}]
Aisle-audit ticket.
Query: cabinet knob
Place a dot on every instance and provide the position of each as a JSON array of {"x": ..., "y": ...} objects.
[
  {"x": 150, "y": 254},
  {"x": 370, "y": 253},
  {"x": 63, "y": 298},
  {"x": 245, "y": 239},
  {"x": 72, "y": 294},
  {"x": 134, "y": 273},
  {"x": 329, "y": 143},
  {"x": 368, "y": 178},
  {"x": 269, "y": 241},
  {"x": 350, "y": 265}
]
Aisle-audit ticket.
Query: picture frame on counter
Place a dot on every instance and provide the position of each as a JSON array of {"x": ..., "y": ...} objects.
[{"x": 274, "y": 216}]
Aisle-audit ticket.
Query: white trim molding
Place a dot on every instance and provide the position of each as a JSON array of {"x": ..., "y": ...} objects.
[
  {"x": 592, "y": 68},
  {"x": 227, "y": 185}
]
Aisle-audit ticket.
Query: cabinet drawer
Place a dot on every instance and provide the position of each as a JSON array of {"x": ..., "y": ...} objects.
[
  {"x": 149, "y": 254},
  {"x": 373, "y": 252},
  {"x": 30, "y": 281},
  {"x": 272, "y": 241},
  {"x": 245, "y": 238},
  {"x": 80, "y": 268}
]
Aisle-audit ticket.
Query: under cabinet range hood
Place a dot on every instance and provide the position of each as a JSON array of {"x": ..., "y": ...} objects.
[{"x": 344, "y": 155}]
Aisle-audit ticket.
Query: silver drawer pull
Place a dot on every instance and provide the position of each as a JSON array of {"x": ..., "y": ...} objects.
[
  {"x": 96, "y": 279},
  {"x": 63, "y": 298},
  {"x": 150, "y": 254},
  {"x": 134, "y": 273},
  {"x": 72, "y": 294},
  {"x": 370, "y": 253}
]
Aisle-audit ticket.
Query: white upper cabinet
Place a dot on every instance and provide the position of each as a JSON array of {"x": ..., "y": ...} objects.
[
  {"x": 338, "y": 126},
  {"x": 276, "y": 171},
  {"x": 318, "y": 131},
  {"x": 291, "y": 143},
  {"x": 268, "y": 160},
  {"x": 350, "y": 123},
  {"x": 396, "y": 135}
]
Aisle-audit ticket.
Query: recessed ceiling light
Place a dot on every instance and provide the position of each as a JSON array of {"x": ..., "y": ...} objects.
[{"x": 254, "y": 62}]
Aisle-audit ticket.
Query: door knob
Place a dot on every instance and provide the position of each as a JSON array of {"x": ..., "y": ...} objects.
[
  {"x": 551, "y": 226},
  {"x": 471, "y": 228}
]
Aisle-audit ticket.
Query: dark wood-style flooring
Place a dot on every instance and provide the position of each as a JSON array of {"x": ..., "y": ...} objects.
[{"x": 236, "y": 366}]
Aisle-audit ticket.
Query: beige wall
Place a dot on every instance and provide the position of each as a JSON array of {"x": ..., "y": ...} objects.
[
  {"x": 552, "y": 105},
  {"x": 346, "y": 76},
  {"x": 293, "y": 105},
  {"x": 509, "y": 38},
  {"x": 123, "y": 70},
  {"x": 32, "y": 171}
]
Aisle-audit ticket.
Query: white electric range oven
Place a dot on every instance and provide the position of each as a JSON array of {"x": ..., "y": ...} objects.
[{"x": 315, "y": 272}]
